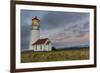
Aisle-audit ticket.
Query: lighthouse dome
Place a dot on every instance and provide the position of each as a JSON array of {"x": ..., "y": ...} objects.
[{"x": 35, "y": 21}]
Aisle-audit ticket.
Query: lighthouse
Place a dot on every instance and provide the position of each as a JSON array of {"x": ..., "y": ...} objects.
[
  {"x": 37, "y": 43},
  {"x": 35, "y": 32}
]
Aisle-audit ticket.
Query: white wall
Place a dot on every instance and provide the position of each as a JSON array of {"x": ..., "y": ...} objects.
[
  {"x": 34, "y": 36},
  {"x": 5, "y": 37}
]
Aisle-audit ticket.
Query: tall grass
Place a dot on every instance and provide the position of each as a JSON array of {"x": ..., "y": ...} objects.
[{"x": 62, "y": 55}]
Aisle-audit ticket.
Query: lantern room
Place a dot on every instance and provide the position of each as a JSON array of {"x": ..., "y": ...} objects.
[{"x": 35, "y": 21}]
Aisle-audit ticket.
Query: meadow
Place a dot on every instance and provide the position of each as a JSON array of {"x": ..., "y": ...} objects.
[{"x": 61, "y": 55}]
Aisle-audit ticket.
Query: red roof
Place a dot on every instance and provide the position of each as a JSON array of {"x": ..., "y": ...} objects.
[{"x": 40, "y": 41}]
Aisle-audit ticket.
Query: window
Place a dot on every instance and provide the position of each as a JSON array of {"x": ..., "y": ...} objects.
[
  {"x": 41, "y": 47},
  {"x": 36, "y": 47}
]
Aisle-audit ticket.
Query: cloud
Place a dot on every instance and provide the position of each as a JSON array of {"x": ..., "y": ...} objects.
[
  {"x": 54, "y": 20},
  {"x": 72, "y": 29},
  {"x": 57, "y": 26}
]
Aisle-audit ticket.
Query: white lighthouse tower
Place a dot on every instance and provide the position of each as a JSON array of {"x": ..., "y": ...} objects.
[{"x": 35, "y": 32}]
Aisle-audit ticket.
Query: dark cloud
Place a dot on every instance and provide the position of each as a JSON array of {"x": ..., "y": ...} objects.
[
  {"x": 86, "y": 25},
  {"x": 25, "y": 36},
  {"x": 53, "y": 20},
  {"x": 63, "y": 45},
  {"x": 54, "y": 24}
]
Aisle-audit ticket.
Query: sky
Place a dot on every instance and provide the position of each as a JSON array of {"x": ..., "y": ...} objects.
[{"x": 64, "y": 29}]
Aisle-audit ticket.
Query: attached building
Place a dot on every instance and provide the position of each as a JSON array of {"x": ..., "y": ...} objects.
[{"x": 42, "y": 45}]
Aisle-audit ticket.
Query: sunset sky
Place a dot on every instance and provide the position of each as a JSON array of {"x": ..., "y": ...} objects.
[{"x": 64, "y": 29}]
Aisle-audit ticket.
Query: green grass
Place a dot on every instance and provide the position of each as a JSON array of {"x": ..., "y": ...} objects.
[{"x": 77, "y": 54}]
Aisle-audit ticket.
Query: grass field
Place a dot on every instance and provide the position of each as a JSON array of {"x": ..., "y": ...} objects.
[{"x": 62, "y": 55}]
